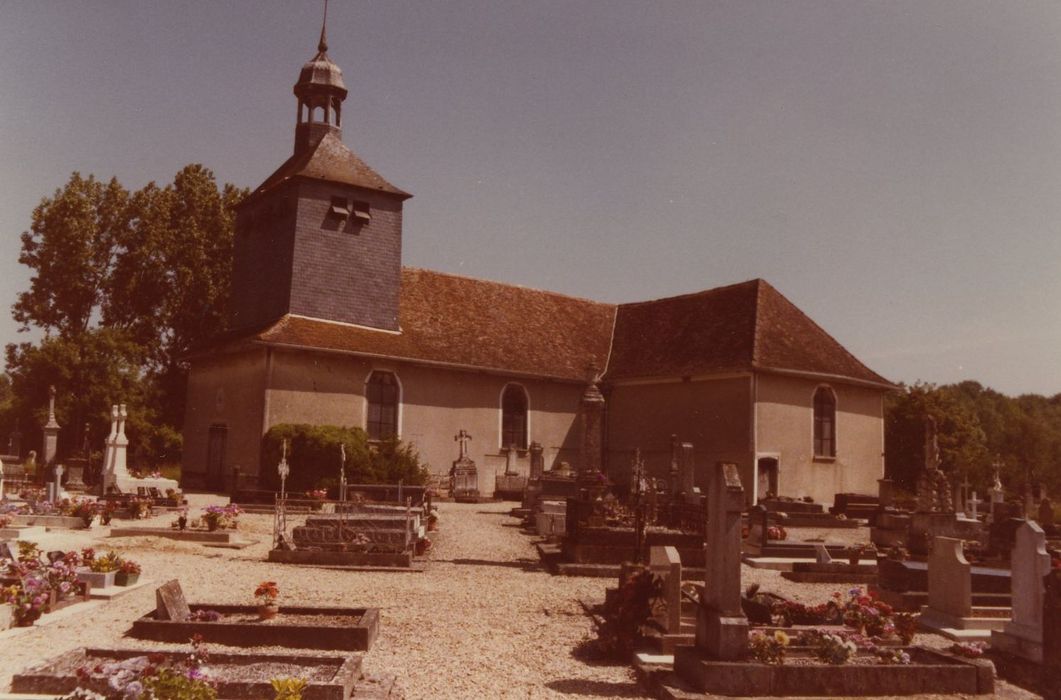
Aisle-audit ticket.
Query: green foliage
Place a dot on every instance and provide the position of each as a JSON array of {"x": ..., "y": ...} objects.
[
  {"x": 288, "y": 688},
  {"x": 171, "y": 684},
  {"x": 123, "y": 284},
  {"x": 977, "y": 427},
  {"x": 314, "y": 456}
]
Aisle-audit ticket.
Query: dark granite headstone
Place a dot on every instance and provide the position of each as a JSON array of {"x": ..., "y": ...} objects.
[
  {"x": 170, "y": 603},
  {"x": 1052, "y": 619},
  {"x": 8, "y": 551}
]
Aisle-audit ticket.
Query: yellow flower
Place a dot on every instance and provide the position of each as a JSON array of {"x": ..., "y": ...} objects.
[{"x": 781, "y": 637}]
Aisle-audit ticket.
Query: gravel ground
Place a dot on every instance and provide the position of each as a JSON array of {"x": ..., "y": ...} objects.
[{"x": 482, "y": 621}]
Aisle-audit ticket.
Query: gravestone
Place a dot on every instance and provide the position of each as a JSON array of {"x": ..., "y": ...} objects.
[
  {"x": 821, "y": 554},
  {"x": 721, "y": 627},
  {"x": 950, "y": 583},
  {"x": 1023, "y": 635},
  {"x": 687, "y": 468},
  {"x": 170, "y": 603},
  {"x": 465, "y": 474},
  {"x": 115, "y": 471},
  {"x": 8, "y": 550},
  {"x": 666, "y": 563},
  {"x": 591, "y": 410}
]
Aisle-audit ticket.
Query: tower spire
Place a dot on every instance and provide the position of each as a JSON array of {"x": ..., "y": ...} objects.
[{"x": 323, "y": 45}]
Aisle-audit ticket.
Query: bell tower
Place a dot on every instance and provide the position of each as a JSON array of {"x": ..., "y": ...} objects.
[
  {"x": 322, "y": 236},
  {"x": 320, "y": 92}
]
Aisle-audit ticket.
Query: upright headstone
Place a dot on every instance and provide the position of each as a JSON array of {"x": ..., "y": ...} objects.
[
  {"x": 51, "y": 431},
  {"x": 537, "y": 460},
  {"x": 510, "y": 460},
  {"x": 170, "y": 603},
  {"x": 14, "y": 442},
  {"x": 666, "y": 563},
  {"x": 115, "y": 469},
  {"x": 950, "y": 591},
  {"x": 55, "y": 486},
  {"x": 675, "y": 470},
  {"x": 342, "y": 472},
  {"x": 721, "y": 627},
  {"x": 821, "y": 554},
  {"x": 1052, "y": 620},
  {"x": 1029, "y": 563},
  {"x": 885, "y": 493},
  {"x": 77, "y": 464}
]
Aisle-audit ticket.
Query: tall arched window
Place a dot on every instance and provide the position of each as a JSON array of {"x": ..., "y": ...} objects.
[
  {"x": 824, "y": 422},
  {"x": 514, "y": 417},
  {"x": 383, "y": 394}
]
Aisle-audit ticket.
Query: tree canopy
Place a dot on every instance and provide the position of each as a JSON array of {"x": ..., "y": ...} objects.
[
  {"x": 123, "y": 285},
  {"x": 977, "y": 429}
]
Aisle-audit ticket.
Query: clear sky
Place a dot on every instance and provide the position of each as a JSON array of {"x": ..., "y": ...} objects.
[{"x": 893, "y": 168}]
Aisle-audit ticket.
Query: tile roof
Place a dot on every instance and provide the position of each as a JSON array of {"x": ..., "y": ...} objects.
[
  {"x": 472, "y": 323},
  {"x": 735, "y": 328},
  {"x": 466, "y": 322},
  {"x": 330, "y": 160}
]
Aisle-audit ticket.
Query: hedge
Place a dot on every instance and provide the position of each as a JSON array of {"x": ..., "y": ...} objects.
[{"x": 314, "y": 457}]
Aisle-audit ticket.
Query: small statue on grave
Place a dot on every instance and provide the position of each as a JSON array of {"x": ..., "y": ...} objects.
[{"x": 933, "y": 487}]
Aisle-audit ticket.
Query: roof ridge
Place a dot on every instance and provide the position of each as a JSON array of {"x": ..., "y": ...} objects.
[
  {"x": 758, "y": 316},
  {"x": 547, "y": 292},
  {"x": 689, "y": 295}
]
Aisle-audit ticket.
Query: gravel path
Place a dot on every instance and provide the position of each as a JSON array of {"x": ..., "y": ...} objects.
[{"x": 483, "y": 621}]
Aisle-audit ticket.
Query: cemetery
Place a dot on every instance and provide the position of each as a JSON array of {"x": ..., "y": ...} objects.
[{"x": 938, "y": 594}]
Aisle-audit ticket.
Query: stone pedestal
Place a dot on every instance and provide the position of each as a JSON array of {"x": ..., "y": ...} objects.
[{"x": 465, "y": 480}]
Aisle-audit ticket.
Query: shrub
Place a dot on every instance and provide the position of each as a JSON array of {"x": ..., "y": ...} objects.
[
  {"x": 288, "y": 688},
  {"x": 313, "y": 453}
]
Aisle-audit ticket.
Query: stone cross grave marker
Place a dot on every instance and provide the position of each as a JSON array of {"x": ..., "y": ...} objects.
[
  {"x": 721, "y": 627},
  {"x": 170, "y": 603},
  {"x": 974, "y": 504},
  {"x": 821, "y": 554},
  {"x": 462, "y": 437},
  {"x": 667, "y": 563},
  {"x": 1030, "y": 563},
  {"x": 950, "y": 584}
]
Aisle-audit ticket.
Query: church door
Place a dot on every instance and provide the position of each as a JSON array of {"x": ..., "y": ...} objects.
[
  {"x": 215, "y": 457},
  {"x": 766, "y": 467}
]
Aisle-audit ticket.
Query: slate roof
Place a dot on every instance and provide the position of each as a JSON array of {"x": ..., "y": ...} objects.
[
  {"x": 329, "y": 160},
  {"x": 740, "y": 327},
  {"x": 472, "y": 323},
  {"x": 453, "y": 320}
]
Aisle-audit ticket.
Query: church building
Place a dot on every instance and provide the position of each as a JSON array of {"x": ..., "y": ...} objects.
[{"x": 327, "y": 327}]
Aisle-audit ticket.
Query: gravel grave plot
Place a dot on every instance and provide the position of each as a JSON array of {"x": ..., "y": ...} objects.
[{"x": 484, "y": 620}]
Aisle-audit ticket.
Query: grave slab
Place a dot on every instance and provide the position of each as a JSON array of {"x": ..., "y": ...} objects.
[
  {"x": 348, "y": 629},
  {"x": 330, "y": 677}
]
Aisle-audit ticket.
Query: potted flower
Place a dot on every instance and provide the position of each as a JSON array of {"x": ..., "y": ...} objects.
[
  {"x": 212, "y": 516},
  {"x": 101, "y": 570},
  {"x": 128, "y": 573},
  {"x": 266, "y": 594}
]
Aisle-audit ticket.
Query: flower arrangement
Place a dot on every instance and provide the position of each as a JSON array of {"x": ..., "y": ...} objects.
[
  {"x": 905, "y": 626},
  {"x": 865, "y": 613},
  {"x": 29, "y": 599},
  {"x": 969, "y": 650},
  {"x": 150, "y": 677},
  {"x": 860, "y": 551},
  {"x": 788, "y": 612},
  {"x": 768, "y": 648},
  {"x": 892, "y": 656},
  {"x": 105, "y": 564},
  {"x": 776, "y": 532},
  {"x": 128, "y": 566},
  {"x": 317, "y": 494},
  {"x": 138, "y": 508},
  {"x": 5, "y": 521},
  {"x": 266, "y": 593},
  {"x": 288, "y": 688},
  {"x": 217, "y": 517},
  {"x": 28, "y": 551},
  {"x": 205, "y": 616},
  {"x": 834, "y": 649}
]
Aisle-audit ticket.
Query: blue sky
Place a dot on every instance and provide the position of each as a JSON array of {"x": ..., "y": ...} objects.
[{"x": 893, "y": 168}]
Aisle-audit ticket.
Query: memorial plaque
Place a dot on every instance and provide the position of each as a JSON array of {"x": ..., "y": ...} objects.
[{"x": 170, "y": 603}]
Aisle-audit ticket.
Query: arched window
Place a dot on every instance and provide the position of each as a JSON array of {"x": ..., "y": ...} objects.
[
  {"x": 824, "y": 422},
  {"x": 514, "y": 417},
  {"x": 383, "y": 394}
]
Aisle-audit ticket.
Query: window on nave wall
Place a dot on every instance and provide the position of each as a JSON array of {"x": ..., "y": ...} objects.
[
  {"x": 824, "y": 422},
  {"x": 383, "y": 394},
  {"x": 514, "y": 417}
]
